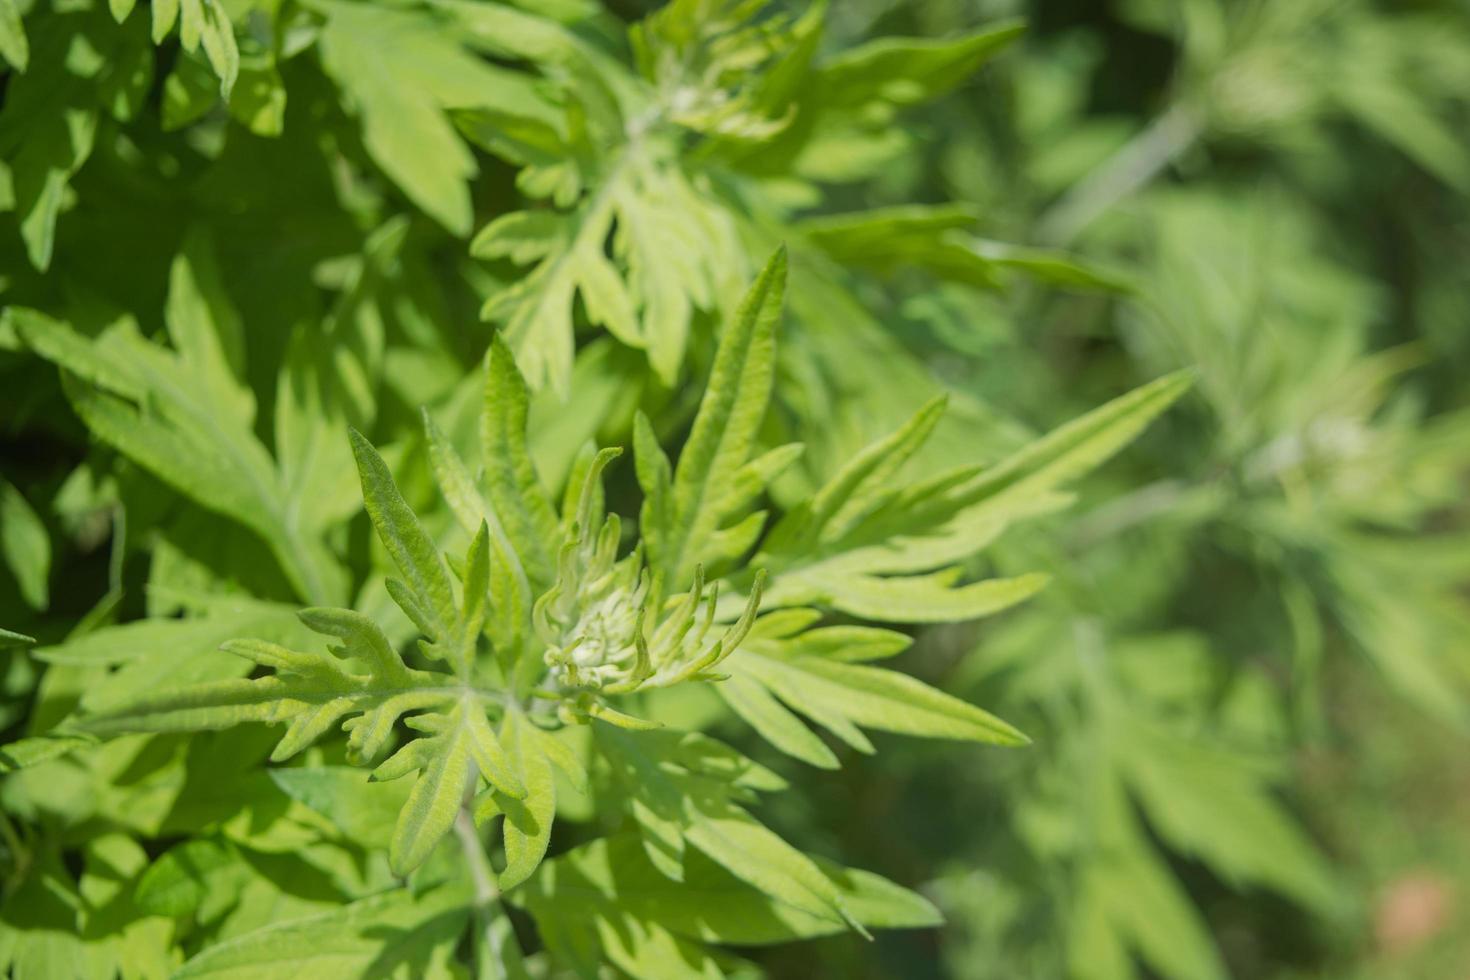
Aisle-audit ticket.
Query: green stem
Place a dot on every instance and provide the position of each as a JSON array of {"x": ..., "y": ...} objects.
[
  {"x": 1138, "y": 162},
  {"x": 494, "y": 932}
]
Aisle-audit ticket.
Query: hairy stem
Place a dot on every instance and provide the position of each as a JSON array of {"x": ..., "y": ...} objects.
[{"x": 1133, "y": 166}]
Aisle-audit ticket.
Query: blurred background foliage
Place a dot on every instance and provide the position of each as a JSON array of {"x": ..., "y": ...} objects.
[
  {"x": 1247, "y": 682},
  {"x": 1249, "y": 674}
]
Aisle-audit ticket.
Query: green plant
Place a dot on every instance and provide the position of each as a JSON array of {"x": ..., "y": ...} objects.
[
  {"x": 555, "y": 622},
  {"x": 335, "y": 644}
]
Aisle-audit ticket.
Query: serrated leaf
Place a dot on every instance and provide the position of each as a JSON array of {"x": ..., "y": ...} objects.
[
  {"x": 510, "y": 589},
  {"x": 437, "y": 794},
  {"x": 698, "y": 502},
  {"x": 433, "y": 607},
  {"x": 152, "y": 406},
  {"x": 773, "y": 674},
  {"x": 888, "y": 553},
  {"x": 512, "y": 485},
  {"x": 402, "y": 70},
  {"x": 680, "y": 792}
]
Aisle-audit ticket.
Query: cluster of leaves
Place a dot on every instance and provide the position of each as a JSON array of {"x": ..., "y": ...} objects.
[
  {"x": 545, "y": 611},
  {"x": 492, "y": 700},
  {"x": 328, "y": 303}
]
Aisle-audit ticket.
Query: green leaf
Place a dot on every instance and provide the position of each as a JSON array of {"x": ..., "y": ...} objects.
[
  {"x": 1210, "y": 802},
  {"x": 882, "y": 551},
  {"x": 1052, "y": 266},
  {"x": 635, "y": 235},
  {"x": 364, "y": 809},
  {"x": 51, "y": 117},
  {"x": 13, "y": 45},
  {"x": 691, "y": 514},
  {"x": 429, "y": 812},
  {"x": 510, "y": 589},
  {"x": 216, "y": 620},
  {"x": 41, "y": 917},
  {"x": 512, "y": 486},
  {"x": 430, "y": 601},
  {"x": 155, "y": 406},
  {"x": 26, "y": 752},
  {"x": 25, "y": 546},
  {"x": 204, "y": 28},
  {"x": 314, "y": 692},
  {"x": 391, "y": 934},
  {"x": 773, "y": 721},
  {"x": 775, "y": 671},
  {"x": 179, "y": 880},
  {"x": 528, "y": 822},
  {"x": 890, "y": 239},
  {"x": 613, "y": 879},
  {"x": 684, "y": 784},
  {"x": 10, "y": 639},
  {"x": 1147, "y": 910},
  {"x": 258, "y": 99},
  {"x": 906, "y": 71},
  {"x": 1082, "y": 444},
  {"x": 402, "y": 70}
]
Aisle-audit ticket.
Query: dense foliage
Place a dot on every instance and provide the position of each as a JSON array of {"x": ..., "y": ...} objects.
[{"x": 464, "y": 461}]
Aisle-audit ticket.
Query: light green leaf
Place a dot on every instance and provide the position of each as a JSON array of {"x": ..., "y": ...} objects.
[
  {"x": 841, "y": 697},
  {"x": 888, "y": 240},
  {"x": 702, "y": 497},
  {"x": 907, "y": 71},
  {"x": 612, "y": 878},
  {"x": 438, "y": 793},
  {"x": 10, "y": 639},
  {"x": 178, "y": 881},
  {"x": 512, "y": 485},
  {"x": 510, "y": 590},
  {"x": 1212, "y": 803},
  {"x": 753, "y": 702},
  {"x": 217, "y": 619},
  {"x": 26, "y": 752},
  {"x": 364, "y": 809},
  {"x": 13, "y": 45},
  {"x": 391, "y": 934},
  {"x": 430, "y": 601},
  {"x": 401, "y": 70},
  {"x": 25, "y": 546},
  {"x": 883, "y": 551},
  {"x": 689, "y": 784},
  {"x": 527, "y": 828},
  {"x": 152, "y": 405}
]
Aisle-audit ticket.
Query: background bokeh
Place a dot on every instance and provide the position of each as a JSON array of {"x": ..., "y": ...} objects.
[{"x": 1247, "y": 681}]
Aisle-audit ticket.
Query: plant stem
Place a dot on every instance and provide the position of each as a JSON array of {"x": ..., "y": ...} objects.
[
  {"x": 1133, "y": 166},
  {"x": 492, "y": 938}
]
